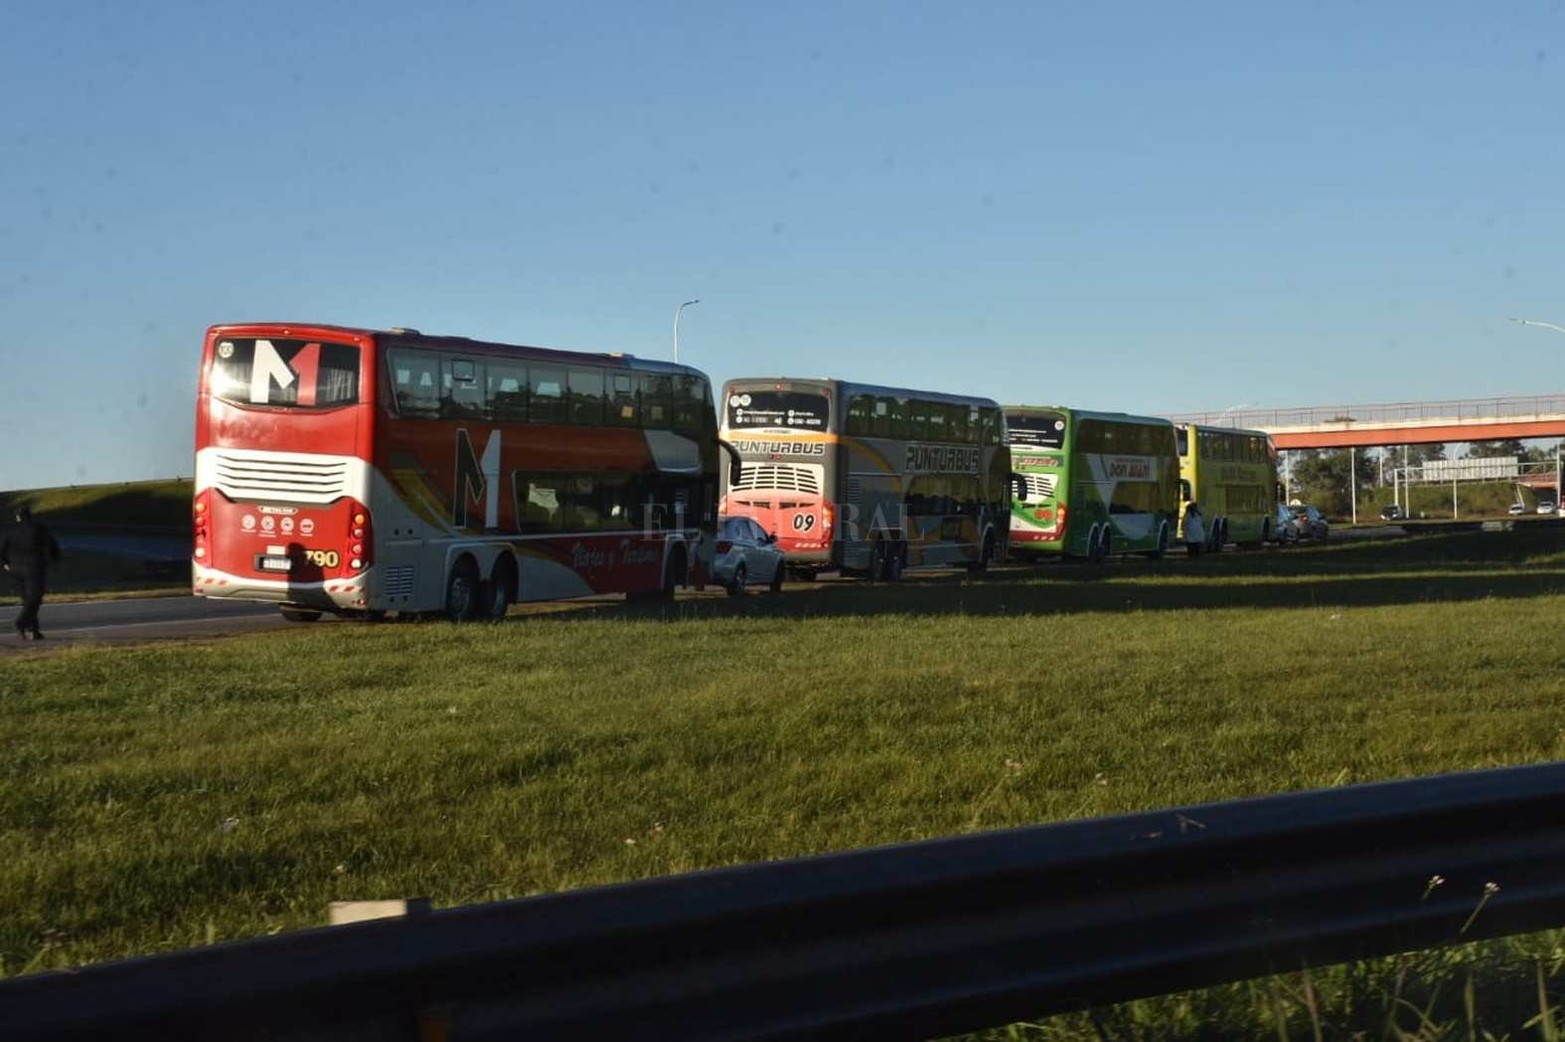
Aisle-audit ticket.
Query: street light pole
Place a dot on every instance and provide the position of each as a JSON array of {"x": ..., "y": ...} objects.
[
  {"x": 1535, "y": 322},
  {"x": 677, "y": 312}
]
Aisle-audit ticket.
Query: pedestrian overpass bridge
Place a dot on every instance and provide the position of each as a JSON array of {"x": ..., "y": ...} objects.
[{"x": 1401, "y": 423}]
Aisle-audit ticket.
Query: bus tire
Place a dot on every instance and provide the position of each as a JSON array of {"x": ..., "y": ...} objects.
[
  {"x": 893, "y": 561},
  {"x": 463, "y": 592},
  {"x": 985, "y": 555},
  {"x": 1105, "y": 544},
  {"x": 736, "y": 585},
  {"x": 1162, "y": 543},
  {"x": 500, "y": 591},
  {"x": 778, "y": 575},
  {"x": 299, "y": 614},
  {"x": 673, "y": 574}
]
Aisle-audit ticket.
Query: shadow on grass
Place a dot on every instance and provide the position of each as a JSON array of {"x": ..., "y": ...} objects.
[{"x": 1429, "y": 570}]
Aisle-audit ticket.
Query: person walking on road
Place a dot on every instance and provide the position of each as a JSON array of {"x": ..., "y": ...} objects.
[{"x": 27, "y": 552}]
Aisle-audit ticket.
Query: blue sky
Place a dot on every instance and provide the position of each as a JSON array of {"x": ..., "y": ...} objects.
[{"x": 1146, "y": 206}]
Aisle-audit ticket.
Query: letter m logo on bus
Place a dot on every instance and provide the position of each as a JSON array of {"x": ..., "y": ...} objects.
[{"x": 477, "y": 480}]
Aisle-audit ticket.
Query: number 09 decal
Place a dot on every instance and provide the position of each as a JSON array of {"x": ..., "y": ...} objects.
[
  {"x": 803, "y": 522},
  {"x": 322, "y": 558}
]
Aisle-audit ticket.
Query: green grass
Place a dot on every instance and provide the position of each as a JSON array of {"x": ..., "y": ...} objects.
[
  {"x": 135, "y": 504},
  {"x": 158, "y": 507},
  {"x": 159, "y": 797}
]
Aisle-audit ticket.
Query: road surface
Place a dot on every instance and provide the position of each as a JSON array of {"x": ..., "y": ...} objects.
[{"x": 140, "y": 618}]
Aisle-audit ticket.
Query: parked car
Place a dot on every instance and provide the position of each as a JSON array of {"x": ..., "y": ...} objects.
[
  {"x": 746, "y": 554},
  {"x": 1546, "y": 506},
  {"x": 1518, "y": 508},
  {"x": 1392, "y": 512},
  {"x": 1285, "y": 529},
  {"x": 1312, "y": 524}
]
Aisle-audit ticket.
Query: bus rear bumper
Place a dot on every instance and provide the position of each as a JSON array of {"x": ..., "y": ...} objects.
[{"x": 351, "y": 594}]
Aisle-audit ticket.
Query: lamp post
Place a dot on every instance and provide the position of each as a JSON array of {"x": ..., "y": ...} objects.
[
  {"x": 1557, "y": 487},
  {"x": 1535, "y": 322},
  {"x": 677, "y": 312}
]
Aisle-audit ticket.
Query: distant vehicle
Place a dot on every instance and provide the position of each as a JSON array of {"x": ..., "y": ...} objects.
[
  {"x": 1092, "y": 484},
  {"x": 1546, "y": 506},
  {"x": 868, "y": 480},
  {"x": 1312, "y": 524},
  {"x": 1518, "y": 508},
  {"x": 746, "y": 553},
  {"x": 1285, "y": 529},
  {"x": 1232, "y": 474},
  {"x": 1392, "y": 512}
]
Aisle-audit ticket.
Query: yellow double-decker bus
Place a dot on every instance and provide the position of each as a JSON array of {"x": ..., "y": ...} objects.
[{"x": 1231, "y": 474}]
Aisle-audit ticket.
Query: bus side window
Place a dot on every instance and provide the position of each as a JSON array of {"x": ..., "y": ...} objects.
[
  {"x": 507, "y": 386},
  {"x": 657, "y": 400},
  {"x": 546, "y": 398},
  {"x": 416, "y": 375},
  {"x": 586, "y": 401},
  {"x": 690, "y": 403},
  {"x": 880, "y": 423},
  {"x": 861, "y": 415},
  {"x": 462, "y": 395},
  {"x": 621, "y": 408},
  {"x": 538, "y": 502}
]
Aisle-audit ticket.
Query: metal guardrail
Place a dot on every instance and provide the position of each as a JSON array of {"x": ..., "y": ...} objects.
[
  {"x": 898, "y": 942},
  {"x": 1456, "y": 411}
]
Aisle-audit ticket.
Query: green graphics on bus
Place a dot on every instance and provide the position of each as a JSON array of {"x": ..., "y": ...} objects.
[
  {"x": 1232, "y": 475},
  {"x": 1092, "y": 483}
]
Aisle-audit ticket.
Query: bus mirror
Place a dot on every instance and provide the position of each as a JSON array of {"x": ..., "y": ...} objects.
[{"x": 735, "y": 464}]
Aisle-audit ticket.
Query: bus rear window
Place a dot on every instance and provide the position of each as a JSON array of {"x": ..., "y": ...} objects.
[
  {"x": 1034, "y": 431},
  {"x": 301, "y": 374},
  {"x": 790, "y": 410}
]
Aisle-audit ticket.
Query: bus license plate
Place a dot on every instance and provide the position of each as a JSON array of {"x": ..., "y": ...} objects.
[{"x": 276, "y": 564}]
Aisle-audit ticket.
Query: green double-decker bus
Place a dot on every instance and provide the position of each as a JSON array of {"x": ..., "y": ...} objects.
[{"x": 1094, "y": 483}]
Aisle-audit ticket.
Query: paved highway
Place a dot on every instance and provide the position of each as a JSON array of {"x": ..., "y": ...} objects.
[{"x": 141, "y": 618}]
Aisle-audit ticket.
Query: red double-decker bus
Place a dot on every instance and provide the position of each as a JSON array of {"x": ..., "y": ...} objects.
[{"x": 357, "y": 472}]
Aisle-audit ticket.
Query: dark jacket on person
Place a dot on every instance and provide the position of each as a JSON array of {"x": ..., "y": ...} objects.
[{"x": 28, "y": 548}]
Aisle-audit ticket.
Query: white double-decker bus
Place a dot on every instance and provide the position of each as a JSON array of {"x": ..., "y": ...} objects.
[{"x": 868, "y": 480}]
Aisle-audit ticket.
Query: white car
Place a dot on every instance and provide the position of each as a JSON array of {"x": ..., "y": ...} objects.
[
  {"x": 1546, "y": 506},
  {"x": 1517, "y": 508},
  {"x": 746, "y": 554}
]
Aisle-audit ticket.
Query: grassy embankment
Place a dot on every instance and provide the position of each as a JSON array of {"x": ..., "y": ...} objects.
[
  {"x": 145, "y": 507},
  {"x": 160, "y": 797}
]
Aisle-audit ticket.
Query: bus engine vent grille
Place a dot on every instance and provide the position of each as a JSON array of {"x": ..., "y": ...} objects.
[
  {"x": 1040, "y": 486},
  {"x": 784, "y": 477},
  {"x": 398, "y": 581},
  {"x": 279, "y": 476}
]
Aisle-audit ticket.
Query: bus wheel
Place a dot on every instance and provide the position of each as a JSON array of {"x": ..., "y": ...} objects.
[
  {"x": 736, "y": 585},
  {"x": 299, "y": 614},
  {"x": 1162, "y": 544},
  {"x": 501, "y": 591},
  {"x": 462, "y": 592},
  {"x": 984, "y": 556},
  {"x": 673, "y": 574},
  {"x": 890, "y": 560},
  {"x": 1105, "y": 544}
]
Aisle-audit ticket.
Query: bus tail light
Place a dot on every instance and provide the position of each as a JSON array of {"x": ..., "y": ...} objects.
[
  {"x": 201, "y": 524},
  {"x": 826, "y": 520},
  {"x": 360, "y": 541}
]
